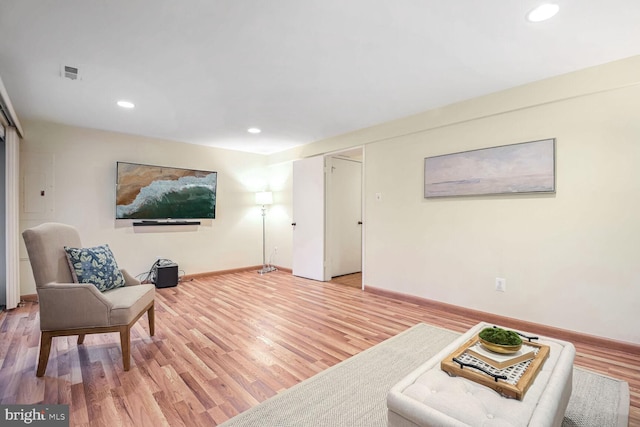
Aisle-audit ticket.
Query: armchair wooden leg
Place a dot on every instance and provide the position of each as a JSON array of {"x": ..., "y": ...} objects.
[
  {"x": 125, "y": 343},
  {"x": 81, "y": 339},
  {"x": 45, "y": 348},
  {"x": 151, "y": 314}
]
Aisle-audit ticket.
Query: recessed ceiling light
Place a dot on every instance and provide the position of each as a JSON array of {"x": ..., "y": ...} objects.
[
  {"x": 254, "y": 130},
  {"x": 126, "y": 104},
  {"x": 543, "y": 12}
]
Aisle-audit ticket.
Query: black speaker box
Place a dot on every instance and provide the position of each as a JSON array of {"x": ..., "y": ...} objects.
[{"x": 167, "y": 276}]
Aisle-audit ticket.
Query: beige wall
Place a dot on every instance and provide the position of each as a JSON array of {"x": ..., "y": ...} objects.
[
  {"x": 82, "y": 192},
  {"x": 570, "y": 260}
]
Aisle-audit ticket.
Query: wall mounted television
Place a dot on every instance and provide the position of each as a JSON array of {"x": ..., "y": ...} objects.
[{"x": 163, "y": 193}]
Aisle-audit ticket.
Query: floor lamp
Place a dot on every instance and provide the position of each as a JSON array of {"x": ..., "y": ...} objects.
[{"x": 264, "y": 198}]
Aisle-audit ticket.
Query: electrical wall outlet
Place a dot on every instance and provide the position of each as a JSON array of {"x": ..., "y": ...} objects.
[{"x": 501, "y": 284}]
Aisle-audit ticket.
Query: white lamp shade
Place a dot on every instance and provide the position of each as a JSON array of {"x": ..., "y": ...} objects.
[{"x": 264, "y": 198}]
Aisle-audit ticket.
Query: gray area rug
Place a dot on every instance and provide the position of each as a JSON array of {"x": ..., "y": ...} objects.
[{"x": 353, "y": 393}]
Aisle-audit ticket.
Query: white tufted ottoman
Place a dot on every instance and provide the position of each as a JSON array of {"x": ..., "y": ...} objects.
[{"x": 430, "y": 397}]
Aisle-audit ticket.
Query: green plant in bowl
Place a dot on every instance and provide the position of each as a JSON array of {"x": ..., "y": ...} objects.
[{"x": 500, "y": 340}]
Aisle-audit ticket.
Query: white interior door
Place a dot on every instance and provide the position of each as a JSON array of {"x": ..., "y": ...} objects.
[
  {"x": 345, "y": 216},
  {"x": 309, "y": 218}
]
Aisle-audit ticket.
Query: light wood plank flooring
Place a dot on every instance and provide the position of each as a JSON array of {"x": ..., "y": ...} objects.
[
  {"x": 223, "y": 344},
  {"x": 354, "y": 280}
]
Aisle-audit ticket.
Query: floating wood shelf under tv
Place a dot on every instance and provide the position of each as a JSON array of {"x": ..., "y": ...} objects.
[{"x": 146, "y": 223}]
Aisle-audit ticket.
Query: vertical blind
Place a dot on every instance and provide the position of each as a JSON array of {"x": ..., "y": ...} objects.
[{"x": 12, "y": 131}]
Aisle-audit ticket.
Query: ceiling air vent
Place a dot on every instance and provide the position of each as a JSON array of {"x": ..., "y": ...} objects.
[{"x": 71, "y": 73}]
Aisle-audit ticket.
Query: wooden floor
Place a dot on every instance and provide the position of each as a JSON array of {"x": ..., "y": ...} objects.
[
  {"x": 224, "y": 344},
  {"x": 354, "y": 280}
]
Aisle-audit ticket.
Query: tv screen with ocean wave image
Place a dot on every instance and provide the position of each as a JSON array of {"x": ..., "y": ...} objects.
[{"x": 158, "y": 192}]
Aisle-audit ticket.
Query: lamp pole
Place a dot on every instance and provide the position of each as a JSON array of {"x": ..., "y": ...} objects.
[
  {"x": 264, "y": 198},
  {"x": 264, "y": 260}
]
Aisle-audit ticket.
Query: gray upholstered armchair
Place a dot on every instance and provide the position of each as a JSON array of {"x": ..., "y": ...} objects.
[{"x": 68, "y": 308}]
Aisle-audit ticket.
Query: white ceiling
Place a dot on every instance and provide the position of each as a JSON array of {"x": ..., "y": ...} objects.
[{"x": 203, "y": 71}]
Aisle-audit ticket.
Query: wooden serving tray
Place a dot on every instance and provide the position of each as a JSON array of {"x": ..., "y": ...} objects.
[{"x": 506, "y": 389}]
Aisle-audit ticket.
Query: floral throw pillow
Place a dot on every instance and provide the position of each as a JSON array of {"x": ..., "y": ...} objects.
[{"x": 96, "y": 266}]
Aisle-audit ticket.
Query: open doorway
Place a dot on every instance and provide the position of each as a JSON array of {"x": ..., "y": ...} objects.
[
  {"x": 327, "y": 215},
  {"x": 344, "y": 216}
]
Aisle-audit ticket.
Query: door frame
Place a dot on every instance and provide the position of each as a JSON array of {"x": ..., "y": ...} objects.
[{"x": 347, "y": 153}]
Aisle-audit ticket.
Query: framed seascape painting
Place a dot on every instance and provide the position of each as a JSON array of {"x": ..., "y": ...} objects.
[
  {"x": 528, "y": 167},
  {"x": 159, "y": 192}
]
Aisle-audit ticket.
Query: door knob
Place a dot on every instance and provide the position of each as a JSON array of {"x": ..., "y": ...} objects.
[
  {"x": 293, "y": 224},
  {"x": 359, "y": 222}
]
